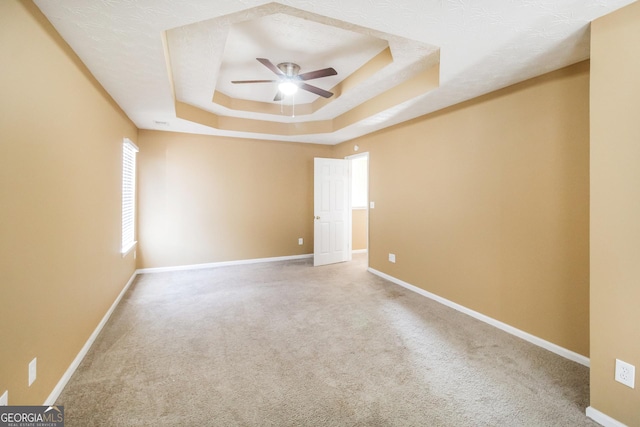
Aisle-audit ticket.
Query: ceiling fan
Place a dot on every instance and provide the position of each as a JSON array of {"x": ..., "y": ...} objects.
[{"x": 289, "y": 81}]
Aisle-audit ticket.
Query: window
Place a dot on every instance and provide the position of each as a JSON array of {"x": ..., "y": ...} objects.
[
  {"x": 129, "y": 151},
  {"x": 359, "y": 186}
]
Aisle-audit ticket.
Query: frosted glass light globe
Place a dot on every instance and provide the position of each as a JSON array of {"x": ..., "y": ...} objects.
[{"x": 288, "y": 88}]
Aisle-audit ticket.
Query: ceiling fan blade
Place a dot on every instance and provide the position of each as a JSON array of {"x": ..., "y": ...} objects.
[
  {"x": 278, "y": 96},
  {"x": 316, "y": 90},
  {"x": 270, "y": 66},
  {"x": 253, "y": 81},
  {"x": 317, "y": 74}
]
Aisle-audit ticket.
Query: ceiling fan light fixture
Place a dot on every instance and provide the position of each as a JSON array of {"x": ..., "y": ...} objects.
[
  {"x": 288, "y": 88},
  {"x": 289, "y": 81}
]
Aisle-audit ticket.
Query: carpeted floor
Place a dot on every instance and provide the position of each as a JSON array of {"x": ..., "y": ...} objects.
[{"x": 287, "y": 344}]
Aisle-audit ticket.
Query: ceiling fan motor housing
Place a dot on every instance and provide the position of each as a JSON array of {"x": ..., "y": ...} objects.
[{"x": 289, "y": 69}]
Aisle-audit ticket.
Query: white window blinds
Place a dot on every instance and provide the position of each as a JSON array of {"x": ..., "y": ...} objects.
[{"x": 129, "y": 151}]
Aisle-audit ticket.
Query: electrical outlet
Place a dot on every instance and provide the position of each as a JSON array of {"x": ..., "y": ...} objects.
[
  {"x": 392, "y": 258},
  {"x": 625, "y": 373},
  {"x": 32, "y": 371},
  {"x": 4, "y": 399},
  {"x": 300, "y": 241}
]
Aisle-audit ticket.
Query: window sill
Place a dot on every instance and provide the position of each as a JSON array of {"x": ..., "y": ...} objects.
[{"x": 126, "y": 251}]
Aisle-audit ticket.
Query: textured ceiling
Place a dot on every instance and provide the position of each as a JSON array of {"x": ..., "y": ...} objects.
[{"x": 152, "y": 54}]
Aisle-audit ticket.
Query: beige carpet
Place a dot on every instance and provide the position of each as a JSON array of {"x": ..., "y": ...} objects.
[{"x": 287, "y": 344}]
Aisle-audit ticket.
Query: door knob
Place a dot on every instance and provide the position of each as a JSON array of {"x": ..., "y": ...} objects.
[{"x": 317, "y": 217}]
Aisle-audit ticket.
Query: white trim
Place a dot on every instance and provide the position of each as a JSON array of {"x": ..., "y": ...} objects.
[
  {"x": 561, "y": 351},
  {"x": 127, "y": 251},
  {"x": 354, "y": 156},
  {"x": 359, "y": 251},
  {"x": 85, "y": 349},
  {"x": 220, "y": 264},
  {"x": 132, "y": 144},
  {"x": 603, "y": 419}
]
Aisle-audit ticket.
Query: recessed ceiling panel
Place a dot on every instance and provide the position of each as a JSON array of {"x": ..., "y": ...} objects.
[{"x": 205, "y": 57}]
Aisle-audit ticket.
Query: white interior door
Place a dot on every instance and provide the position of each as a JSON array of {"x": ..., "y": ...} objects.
[{"x": 332, "y": 211}]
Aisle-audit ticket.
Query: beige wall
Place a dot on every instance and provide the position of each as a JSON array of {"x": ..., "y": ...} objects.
[
  {"x": 492, "y": 214},
  {"x": 615, "y": 211},
  {"x": 487, "y": 204},
  {"x": 358, "y": 229},
  {"x": 208, "y": 199},
  {"x": 60, "y": 184}
]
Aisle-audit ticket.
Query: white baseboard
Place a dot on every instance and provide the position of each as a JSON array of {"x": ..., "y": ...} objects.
[
  {"x": 603, "y": 419},
  {"x": 83, "y": 351},
  {"x": 359, "y": 251},
  {"x": 568, "y": 354},
  {"x": 220, "y": 264}
]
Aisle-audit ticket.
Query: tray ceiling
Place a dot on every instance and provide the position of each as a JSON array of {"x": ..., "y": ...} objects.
[{"x": 169, "y": 64}]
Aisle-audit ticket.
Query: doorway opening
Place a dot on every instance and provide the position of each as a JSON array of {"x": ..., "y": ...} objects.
[
  {"x": 341, "y": 209},
  {"x": 360, "y": 203}
]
